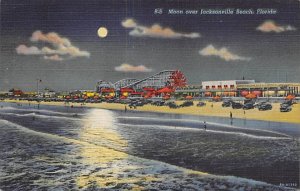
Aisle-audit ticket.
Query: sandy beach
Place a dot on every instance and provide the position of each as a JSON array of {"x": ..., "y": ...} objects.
[{"x": 211, "y": 109}]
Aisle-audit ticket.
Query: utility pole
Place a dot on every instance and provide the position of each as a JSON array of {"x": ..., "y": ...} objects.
[{"x": 37, "y": 86}]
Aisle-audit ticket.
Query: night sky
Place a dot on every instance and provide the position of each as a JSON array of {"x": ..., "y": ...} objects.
[{"x": 57, "y": 41}]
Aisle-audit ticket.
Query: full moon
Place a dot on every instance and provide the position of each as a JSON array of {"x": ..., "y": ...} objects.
[{"x": 102, "y": 32}]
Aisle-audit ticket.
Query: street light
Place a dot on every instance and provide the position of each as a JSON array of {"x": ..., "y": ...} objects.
[{"x": 37, "y": 86}]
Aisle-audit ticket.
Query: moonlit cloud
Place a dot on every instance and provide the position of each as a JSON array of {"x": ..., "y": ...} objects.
[
  {"x": 62, "y": 47},
  {"x": 222, "y": 53},
  {"x": 54, "y": 57},
  {"x": 50, "y": 37},
  {"x": 130, "y": 68},
  {"x": 155, "y": 31},
  {"x": 129, "y": 23},
  {"x": 25, "y": 50},
  {"x": 271, "y": 26}
]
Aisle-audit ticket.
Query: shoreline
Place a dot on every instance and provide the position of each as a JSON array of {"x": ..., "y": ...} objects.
[{"x": 212, "y": 109}]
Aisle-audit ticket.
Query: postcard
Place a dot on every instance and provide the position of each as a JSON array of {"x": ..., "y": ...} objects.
[{"x": 149, "y": 95}]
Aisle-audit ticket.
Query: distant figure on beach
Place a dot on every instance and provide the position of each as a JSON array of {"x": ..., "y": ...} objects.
[
  {"x": 212, "y": 105},
  {"x": 72, "y": 106},
  {"x": 244, "y": 112},
  {"x": 125, "y": 109},
  {"x": 230, "y": 115},
  {"x": 204, "y": 125}
]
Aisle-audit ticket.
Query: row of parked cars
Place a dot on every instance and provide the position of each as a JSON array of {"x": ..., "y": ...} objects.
[
  {"x": 78, "y": 100},
  {"x": 170, "y": 104},
  {"x": 286, "y": 106},
  {"x": 173, "y": 105}
]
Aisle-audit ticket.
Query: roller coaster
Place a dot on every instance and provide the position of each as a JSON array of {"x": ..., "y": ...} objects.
[{"x": 165, "y": 79}]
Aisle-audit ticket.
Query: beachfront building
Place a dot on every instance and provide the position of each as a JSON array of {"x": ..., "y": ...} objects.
[
  {"x": 224, "y": 88},
  {"x": 269, "y": 89},
  {"x": 189, "y": 90},
  {"x": 241, "y": 88},
  {"x": 49, "y": 93},
  {"x": 12, "y": 93}
]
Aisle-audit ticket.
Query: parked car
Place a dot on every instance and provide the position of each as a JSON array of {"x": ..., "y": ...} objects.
[
  {"x": 80, "y": 100},
  {"x": 260, "y": 103},
  {"x": 125, "y": 101},
  {"x": 139, "y": 103},
  {"x": 201, "y": 104},
  {"x": 226, "y": 103},
  {"x": 132, "y": 105},
  {"x": 172, "y": 105},
  {"x": 285, "y": 108},
  {"x": 248, "y": 106},
  {"x": 158, "y": 103},
  {"x": 265, "y": 106},
  {"x": 187, "y": 104},
  {"x": 110, "y": 100},
  {"x": 147, "y": 101},
  {"x": 169, "y": 102},
  {"x": 236, "y": 105}
]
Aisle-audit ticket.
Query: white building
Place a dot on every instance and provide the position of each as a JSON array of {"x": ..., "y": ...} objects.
[
  {"x": 48, "y": 93},
  {"x": 224, "y": 84},
  {"x": 222, "y": 87}
]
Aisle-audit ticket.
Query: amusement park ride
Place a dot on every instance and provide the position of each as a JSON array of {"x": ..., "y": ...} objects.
[{"x": 161, "y": 84}]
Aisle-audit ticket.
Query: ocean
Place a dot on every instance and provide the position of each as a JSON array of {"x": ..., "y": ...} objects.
[{"x": 64, "y": 148}]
